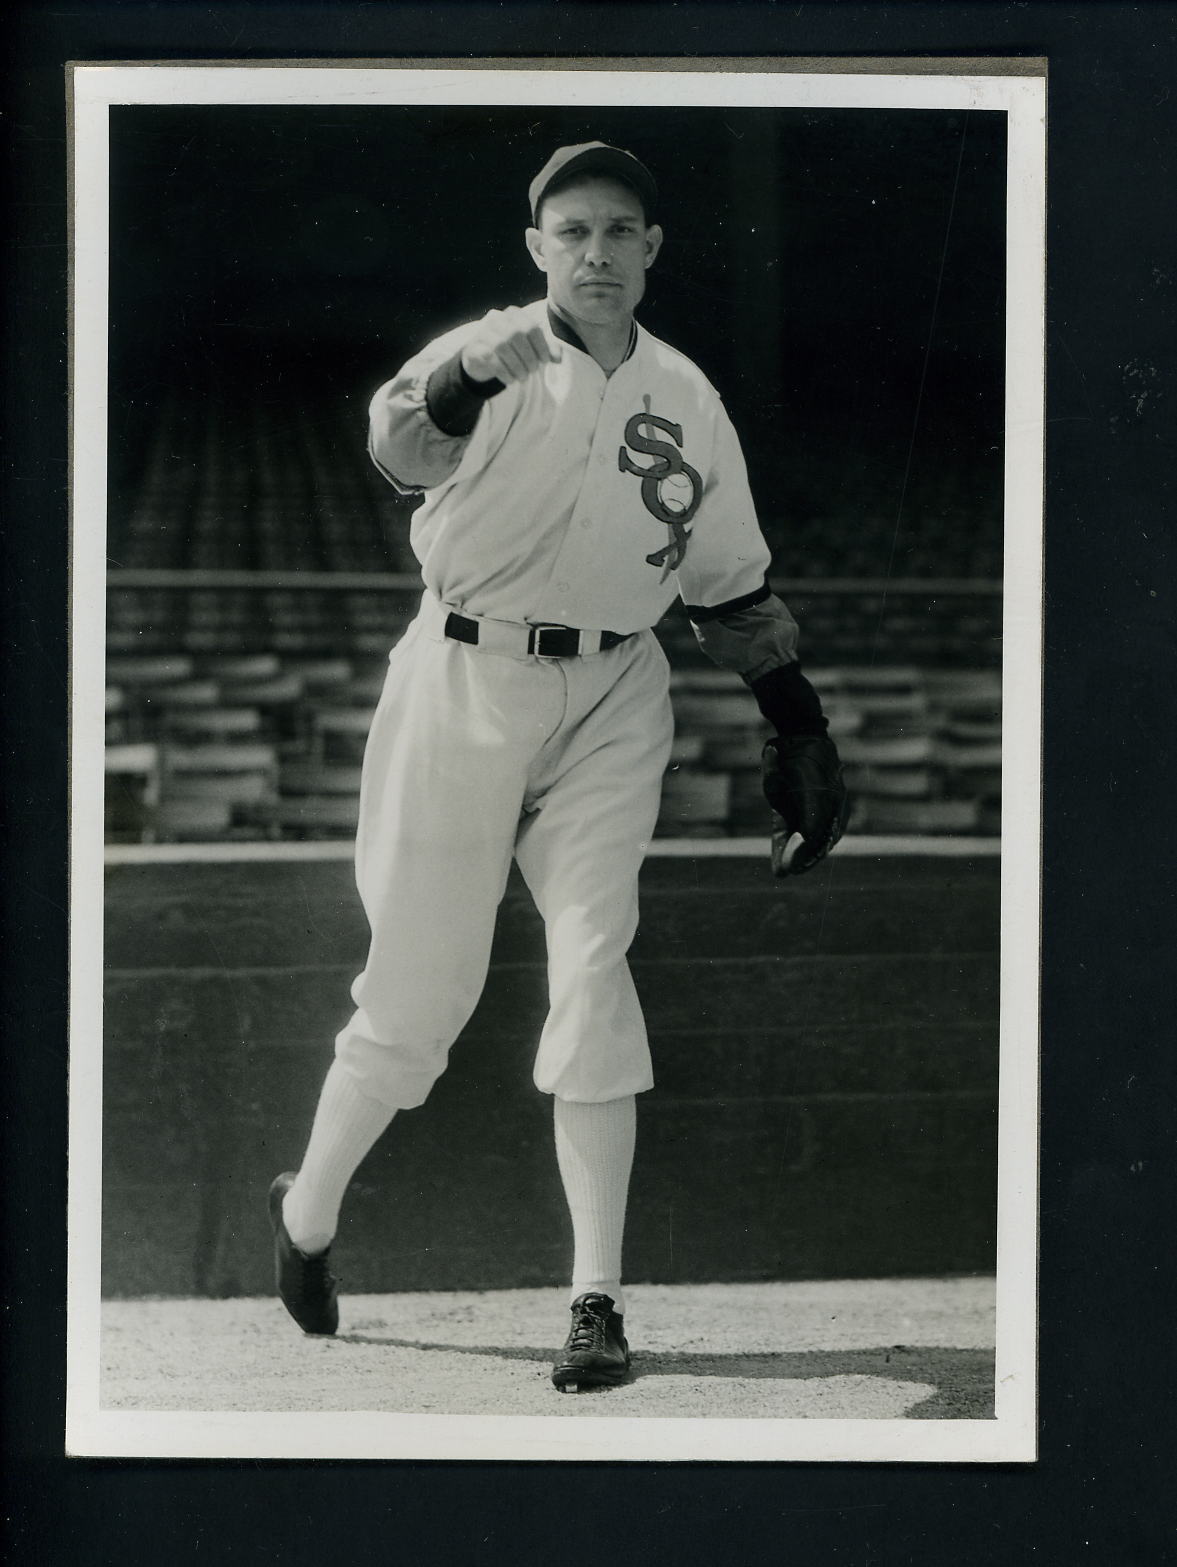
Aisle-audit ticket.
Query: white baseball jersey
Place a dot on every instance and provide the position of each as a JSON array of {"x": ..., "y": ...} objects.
[{"x": 579, "y": 499}]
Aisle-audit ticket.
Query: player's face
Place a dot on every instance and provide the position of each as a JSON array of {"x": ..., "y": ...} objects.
[{"x": 594, "y": 246}]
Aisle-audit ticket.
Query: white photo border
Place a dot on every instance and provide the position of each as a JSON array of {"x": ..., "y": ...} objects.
[{"x": 1021, "y": 95}]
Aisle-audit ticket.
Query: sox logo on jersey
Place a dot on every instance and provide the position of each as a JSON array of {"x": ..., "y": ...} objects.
[{"x": 671, "y": 489}]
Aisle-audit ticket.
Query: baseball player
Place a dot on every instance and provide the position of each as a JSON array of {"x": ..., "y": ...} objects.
[{"x": 577, "y": 474}]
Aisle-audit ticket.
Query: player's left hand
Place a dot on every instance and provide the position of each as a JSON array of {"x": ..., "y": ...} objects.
[{"x": 802, "y": 779}]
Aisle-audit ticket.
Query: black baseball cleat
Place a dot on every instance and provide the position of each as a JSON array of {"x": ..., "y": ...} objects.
[
  {"x": 595, "y": 1354},
  {"x": 306, "y": 1284}
]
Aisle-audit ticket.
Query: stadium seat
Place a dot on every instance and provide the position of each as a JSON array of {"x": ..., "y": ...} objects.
[
  {"x": 686, "y": 749},
  {"x": 239, "y": 779},
  {"x": 887, "y": 751},
  {"x": 957, "y": 689},
  {"x": 339, "y": 733},
  {"x": 326, "y": 778},
  {"x": 243, "y": 788},
  {"x": 891, "y": 783},
  {"x": 148, "y": 672},
  {"x": 281, "y": 690},
  {"x": 185, "y": 695},
  {"x": 710, "y": 711},
  {"x": 117, "y": 727},
  {"x": 357, "y": 691},
  {"x": 211, "y": 723},
  {"x": 249, "y": 757},
  {"x": 198, "y": 820},
  {"x": 693, "y": 798},
  {"x": 736, "y": 751},
  {"x": 968, "y": 731},
  {"x": 965, "y": 757},
  {"x": 917, "y": 817},
  {"x": 312, "y": 816},
  {"x": 132, "y": 775},
  {"x": 748, "y": 814},
  {"x": 252, "y": 669},
  {"x": 842, "y": 718},
  {"x": 319, "y": 674}
]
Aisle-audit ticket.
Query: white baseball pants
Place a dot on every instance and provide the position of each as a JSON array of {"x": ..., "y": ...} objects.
[{"x": 474, "y": 757}]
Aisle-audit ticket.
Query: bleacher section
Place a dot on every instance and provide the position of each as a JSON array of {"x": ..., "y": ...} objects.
[
  {"x": 270, "y": 747},
  {"x": 261, "y": 571}
]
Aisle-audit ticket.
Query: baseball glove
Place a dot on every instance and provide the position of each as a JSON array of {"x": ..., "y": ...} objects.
[{"x": 802, "y": 780}]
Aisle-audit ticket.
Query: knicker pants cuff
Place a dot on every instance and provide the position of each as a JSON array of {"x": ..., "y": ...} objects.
[{"x": 395, "y": 1075}]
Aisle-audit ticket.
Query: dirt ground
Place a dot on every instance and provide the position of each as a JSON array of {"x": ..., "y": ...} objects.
[{"x": 857, "y": 1349}]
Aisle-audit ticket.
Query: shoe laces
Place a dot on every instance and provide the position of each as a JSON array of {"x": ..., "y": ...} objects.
[{"x": 588, "y": 1327}]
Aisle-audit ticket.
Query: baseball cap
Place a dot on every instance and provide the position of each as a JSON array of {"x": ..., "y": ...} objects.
[{"x": 593, "y": 157}]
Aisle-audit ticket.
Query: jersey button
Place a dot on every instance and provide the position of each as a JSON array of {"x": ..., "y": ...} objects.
[
  {"x": 561, "y": 587},
  {"x": 586, "y": 522}
]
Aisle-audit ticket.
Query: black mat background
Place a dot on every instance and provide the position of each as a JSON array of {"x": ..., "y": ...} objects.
[{"x": 1101, "y": 1491}]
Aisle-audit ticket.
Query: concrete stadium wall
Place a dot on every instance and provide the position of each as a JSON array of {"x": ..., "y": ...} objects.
[{"x": 826, "y": 1053}]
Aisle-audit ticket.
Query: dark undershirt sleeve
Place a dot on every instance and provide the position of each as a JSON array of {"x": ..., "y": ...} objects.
[
  {"x": 789, "y": 702},
  {"x": 454, "y": 400}
]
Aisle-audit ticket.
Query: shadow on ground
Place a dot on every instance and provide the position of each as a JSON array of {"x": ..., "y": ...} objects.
[{"x": 963, "y": 1378}]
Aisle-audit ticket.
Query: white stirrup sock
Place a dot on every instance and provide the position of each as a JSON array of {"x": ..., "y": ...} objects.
[
  {"x": 594, "y": 1149},
  {"x": 346, "y": 1125}
]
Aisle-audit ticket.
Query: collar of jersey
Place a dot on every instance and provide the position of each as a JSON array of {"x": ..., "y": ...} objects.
[{"x": 569, "y": 334}]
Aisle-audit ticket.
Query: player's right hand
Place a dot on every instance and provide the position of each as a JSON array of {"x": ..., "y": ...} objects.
[{"x": 507, "y": 346}]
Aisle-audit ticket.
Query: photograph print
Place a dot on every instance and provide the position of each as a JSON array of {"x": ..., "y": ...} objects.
[{"x": 558, "y": 557}]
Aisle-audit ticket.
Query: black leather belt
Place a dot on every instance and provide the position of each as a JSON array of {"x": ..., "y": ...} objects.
[{"x": 543, "y": 641}]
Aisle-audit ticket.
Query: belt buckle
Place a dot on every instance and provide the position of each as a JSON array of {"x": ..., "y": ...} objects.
[{"x": 535, "y": 641}]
